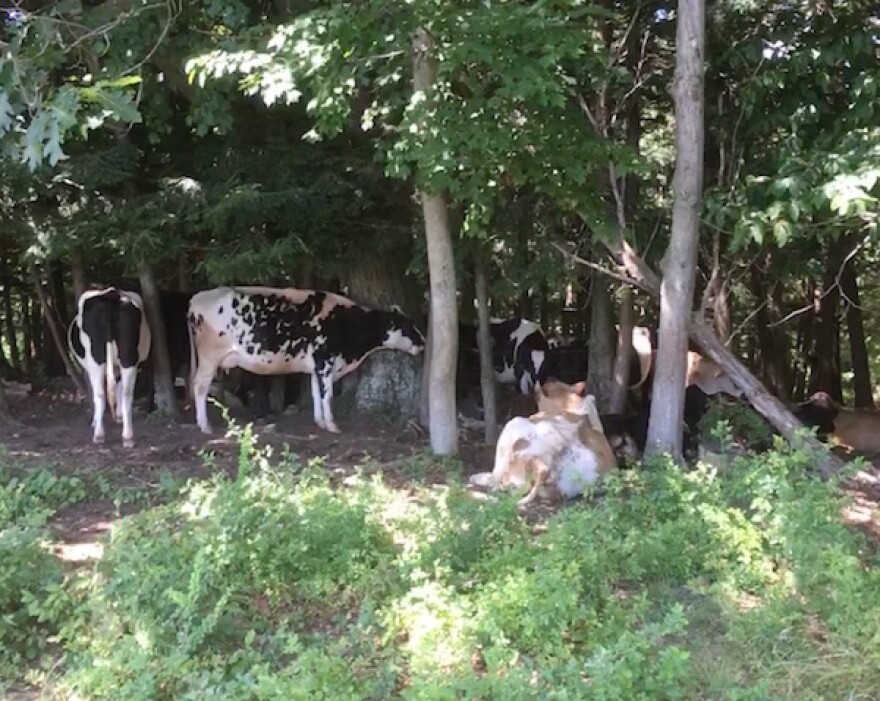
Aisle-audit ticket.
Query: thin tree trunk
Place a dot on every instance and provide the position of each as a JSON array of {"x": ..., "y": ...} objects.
[
  {"x": 623, "y": 355},
  {"x": 163, "y": 381},
  {"x": 484, "y": 342},
  {"x": 601, "y": 360},
  {"x": 864, "y": 394},
  {"x": 441, "y": 269},
  {"x": 11, "y": 336},
  {"x": 77, "y": 273},
  {"x": 59, "y": 337},
  {"x": 5, "y": 411},
  {"x": 679, "y": 269},
  {"x": 27, "y": 333}
]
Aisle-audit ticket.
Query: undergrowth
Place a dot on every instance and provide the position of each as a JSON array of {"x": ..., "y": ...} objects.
[{"x": 278, "y": 584}]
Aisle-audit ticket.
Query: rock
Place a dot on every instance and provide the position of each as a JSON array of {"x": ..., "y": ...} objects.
[{"x": 390, "y": 382}]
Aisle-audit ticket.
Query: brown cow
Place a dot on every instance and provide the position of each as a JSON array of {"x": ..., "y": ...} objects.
[
  {"x": 557, "y": 452},
  {"x": 856, "y": 429}
]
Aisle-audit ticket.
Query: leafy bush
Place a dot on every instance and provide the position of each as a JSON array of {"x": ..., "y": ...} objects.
[
  {"x": 34, "y": 601},
  {"x": 671, "y": 585}
]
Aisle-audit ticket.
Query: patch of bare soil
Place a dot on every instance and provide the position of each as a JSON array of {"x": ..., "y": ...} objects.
[{"x": 54, "y": 431}]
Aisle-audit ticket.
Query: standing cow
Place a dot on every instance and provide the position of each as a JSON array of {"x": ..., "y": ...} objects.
[
  {"x": 271, "y": 331},
  {"x": 110, "y": 334},
  {"x": 519, "y": 349}
]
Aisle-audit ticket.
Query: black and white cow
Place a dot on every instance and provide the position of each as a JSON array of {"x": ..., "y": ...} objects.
[
  {"x": 270, "y": 331},
  {"x": 519, "y": 349},
  {"x": 109, "y": 334}
]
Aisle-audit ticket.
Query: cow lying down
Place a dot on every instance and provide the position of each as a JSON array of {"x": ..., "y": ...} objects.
[{"x": 556, "y": 452}]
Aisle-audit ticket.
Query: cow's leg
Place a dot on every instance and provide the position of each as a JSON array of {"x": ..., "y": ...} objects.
[
  {"x": 327, "y": 399},
  {"x": 126, "y": 399},
  {"x": 540, "y": 472},
  {"x": 99, "y": 399},
  {"x": 317, "y": 400},
  {"x": 201, "y": 386}
]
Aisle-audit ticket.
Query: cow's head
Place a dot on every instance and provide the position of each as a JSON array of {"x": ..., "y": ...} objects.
[
  {"x": 401, "y": 333},
  {"x": 556, "y": 397},
  {"x": 818, "y": 412}
]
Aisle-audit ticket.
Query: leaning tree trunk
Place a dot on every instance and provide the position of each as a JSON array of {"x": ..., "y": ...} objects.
[
  {"x": 849, "y": 287},
  {"x": 163, "y": 381},
  {"x": 484, "y": 342},
  {"x": 601, "y": 359},
  {"x": 623, "y": 354},
  {"x": 441, "y": 269},
  {"x": 679, "y": 268},
  {"x": 59, "y": 337}
]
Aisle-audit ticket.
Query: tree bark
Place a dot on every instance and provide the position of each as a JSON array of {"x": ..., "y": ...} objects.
[
  {"x": 77, "y": 273},
  {"x": 623, "y": 355},
  {"x": 163, "y": 380},
  {"x": 11, "y": 335},
  {"x": 58, "y": 336},
  {"x": 601, "y": 360},
  {"x": 484, "y": 342},
  {"x": 826, "y": 371},
  {"x": 441, "y": 269},
  {"x": 27, "y": 334},
  {"x": 679, "y": 269},
  {"x": 864, "y": 393},
  {"x": 5, "y": 411}
]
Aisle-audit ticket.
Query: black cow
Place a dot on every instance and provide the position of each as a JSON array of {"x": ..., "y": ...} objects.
[
  {"x": 628, "y": 433},
  {"x": 110, "y": 334},
  {"x": 519, "y": 349},
  {"x": 271, "y": 331}
]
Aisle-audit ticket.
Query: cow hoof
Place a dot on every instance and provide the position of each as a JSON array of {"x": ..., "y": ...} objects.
[
  {"x": 206, "y": 430},
  {"x": 128, "y": 442},
  {"x": 98, "y": 440},
  {"x": 333, "y": 428}
]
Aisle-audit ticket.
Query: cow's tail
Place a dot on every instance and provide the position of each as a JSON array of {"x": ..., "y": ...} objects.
[
  {"x": 111, "y": 377},
  {"x": 193, "y": 356},
  {"x": 645, "y": 354}
]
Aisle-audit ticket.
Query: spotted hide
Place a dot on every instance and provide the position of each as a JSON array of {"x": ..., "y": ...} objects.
[
  {"x": 556, "y": 452},
  {"x": 519, "y": 349},
  {"x": 271, "y": 331},
  {"x": 110, "y": 335}
]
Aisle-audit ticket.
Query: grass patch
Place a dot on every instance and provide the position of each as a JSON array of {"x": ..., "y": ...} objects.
[{"x": 279, "y": 584}]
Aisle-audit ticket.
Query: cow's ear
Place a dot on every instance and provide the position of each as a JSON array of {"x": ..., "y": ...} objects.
[
  {"x": 580, "y": 389},
  {"x": 396, "y": 308}
]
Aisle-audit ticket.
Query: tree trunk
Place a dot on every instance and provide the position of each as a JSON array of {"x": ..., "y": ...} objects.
[
  {"x": 826, "y": 372},
  {"x": 441, "y": 269},
  {"x": 623, "y": 355},
  {"x": 11, "y": 336},
  {"x": 163, "y": 380},
  {"x": 679, "y": 269},
  {"x": 5, "y": 411},
  {"x": 849, "y": 287},
  {"x": 77, "y": 273},
  {"x": 27, "y": 334},
  {"x": 484, "y": 342},
  {"x": 425, "y": 399},
  {"x": 59, "y": 337},
  {"x": 601, "y": 360}
]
